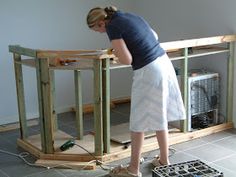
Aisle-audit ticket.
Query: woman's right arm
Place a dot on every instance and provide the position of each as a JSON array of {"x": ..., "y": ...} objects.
[{"x": 121, "y": 51}]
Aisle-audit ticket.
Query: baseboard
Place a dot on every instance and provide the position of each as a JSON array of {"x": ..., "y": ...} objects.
[
  {"x": 13, "y": 121},
  {"x": 88, "y": 108},
  {"x": 15, "y": 118}
]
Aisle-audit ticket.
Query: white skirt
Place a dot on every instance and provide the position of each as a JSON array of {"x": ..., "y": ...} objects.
[{"x": 156, "y": 97}]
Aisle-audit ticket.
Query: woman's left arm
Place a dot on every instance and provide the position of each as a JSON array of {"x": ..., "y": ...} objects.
[{"x": 121, "y": 51}]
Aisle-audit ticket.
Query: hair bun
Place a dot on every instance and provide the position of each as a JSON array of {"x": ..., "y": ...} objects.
[{"x": 110, "y": 10}]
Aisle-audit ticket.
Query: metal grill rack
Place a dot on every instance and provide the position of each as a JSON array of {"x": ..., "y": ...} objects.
[
  {"x": 194, "y": 168},
  {"x": 203, "y": 91}
]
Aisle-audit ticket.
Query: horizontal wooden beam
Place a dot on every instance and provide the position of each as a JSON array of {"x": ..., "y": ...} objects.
[
  {"x": 66, "y": 164},
  {"x": 88, "y": 108},
  {"x": 29, "y": 147},
  {"x": 80, "y": 54},
  {"x": 22, "y": 50},
  {"x": 102, "y": 54},
  {"x": 198, "y": 42}
]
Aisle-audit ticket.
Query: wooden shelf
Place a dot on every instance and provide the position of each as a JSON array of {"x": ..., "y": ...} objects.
[
  {"x": 197, "y": 52},
  {"x": 178, "y": 54}
]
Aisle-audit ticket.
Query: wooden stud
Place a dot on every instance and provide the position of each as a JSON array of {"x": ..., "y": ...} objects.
[
  {"x": 20, "y": 95},
  {"x": 184, "y": 88},
  {"x": 78, "y": 104},
  {"x": 106, "y": 103},
  {"x": 53, "y": 92},
  {"x": 98, "y": 124},
  {"x": 47, "y": 114},
  {"x": 230, "y": 82},
  {"x": 40, "y": 104}
]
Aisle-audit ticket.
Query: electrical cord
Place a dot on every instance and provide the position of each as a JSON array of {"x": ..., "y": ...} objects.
[
  {"x": 71, "y": 143},
  {"x": 22, "y": 156},
  {"x": 98, "y": 162},
  {"x": 67, "y": 145},
  {"x": 149, "y": 158},
  {"x": 172, "y": 152}
]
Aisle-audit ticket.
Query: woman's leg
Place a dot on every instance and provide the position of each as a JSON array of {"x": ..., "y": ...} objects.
[
  {"x": 162, "y": 138},
  {"x": 137, "y": 139}
]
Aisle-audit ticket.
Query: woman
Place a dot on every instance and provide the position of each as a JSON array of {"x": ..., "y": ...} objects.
[{"x": 155, "y": 96}]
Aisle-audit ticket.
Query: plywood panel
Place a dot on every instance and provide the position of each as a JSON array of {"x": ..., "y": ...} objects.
[{"x": 121, "y": 134}]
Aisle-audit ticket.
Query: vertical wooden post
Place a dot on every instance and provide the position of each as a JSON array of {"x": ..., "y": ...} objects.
[
  {"x": 230, "y": 81},
  {"x": 20, "y": 95},
  {"x": 53, "y": 91},
  {"x": 40, "y": 104},
  {"x": 78, "y": 104},
  {"x": 47, "y": 115},
  {"x": 184, "y": 88},
  {"x": 98, "y": 124},
  {"x": 106, "y": 103}
]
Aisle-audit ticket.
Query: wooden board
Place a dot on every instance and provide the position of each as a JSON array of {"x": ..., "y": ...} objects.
[
  {"x": 198, "y": 42},
  {"x": 121, "y": 133},
  {"x": 60, "y": 138},
  {"x": 66, "y": 164}
]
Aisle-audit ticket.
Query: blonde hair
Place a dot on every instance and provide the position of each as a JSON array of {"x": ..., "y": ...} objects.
[{"x": 97, "y": 14}]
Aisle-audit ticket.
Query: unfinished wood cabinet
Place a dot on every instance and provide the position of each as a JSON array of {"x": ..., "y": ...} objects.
[
  {"x": 45, "y": 63},
  {"x": 46, "y": 145}
]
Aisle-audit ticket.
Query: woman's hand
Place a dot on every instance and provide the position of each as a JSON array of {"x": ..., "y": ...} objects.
[{"x": 121, "y": 51}]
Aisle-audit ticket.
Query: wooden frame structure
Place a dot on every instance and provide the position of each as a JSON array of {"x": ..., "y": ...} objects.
[
  {"x": 100, "y": 62},
  {"x": 97, "y": 60}
]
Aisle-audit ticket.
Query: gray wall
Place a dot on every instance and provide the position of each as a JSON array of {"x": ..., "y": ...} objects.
[
  {"x": 186, "y": 19},
  {"x": 50, "y": 24},
  {"x": 60, "y": 24}
]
